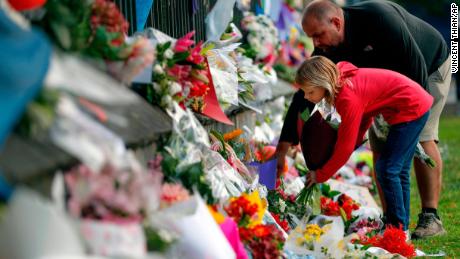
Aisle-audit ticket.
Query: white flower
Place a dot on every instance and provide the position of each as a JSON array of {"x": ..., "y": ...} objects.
[
  {"x": 282, "y": 206},
  {"x": 158, "y": 69},
  {"x": 166, "y": 100},
  {"x": 174, "y": 88},
  {"x": 157, "y": 87},
  {"x": 168, "y": 54}
]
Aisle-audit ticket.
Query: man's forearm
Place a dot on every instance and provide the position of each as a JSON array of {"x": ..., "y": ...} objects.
[{"x": 282, "y": 148}]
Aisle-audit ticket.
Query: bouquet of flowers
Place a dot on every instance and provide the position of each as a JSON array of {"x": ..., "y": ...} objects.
[
  {"x": 262, "y": 38},
  {"x": 284, "y": 208},
  {"x": 191, "y": 177},
  {"x": 246, "y": 210},
  {"x": 96, "y": 28},
  {"x": 264, "y": 241},
  {"x": 224, "y": 145},
  {"x": 310, "y": 234},
  {"x": 366, "y": 227},
  {"x": 111, "y": 205},
  {"x": 180, "y": 73},
  {"x": 111, "y": 194},
  {"x": 139, "y": 54}
]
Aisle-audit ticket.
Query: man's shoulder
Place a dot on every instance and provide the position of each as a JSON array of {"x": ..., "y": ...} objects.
[{"x": 373, "y": 7}]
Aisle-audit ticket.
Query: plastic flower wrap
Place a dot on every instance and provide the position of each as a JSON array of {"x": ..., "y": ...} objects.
[
  {"x": 231, "y": 35},
  {"x": 199, "y": 235},
  {"x": 222, "y": 66},
  {"x": 224, "y": 180},
  {"x": 262, "y": 38},
  {"x": 222, "y": 146}
]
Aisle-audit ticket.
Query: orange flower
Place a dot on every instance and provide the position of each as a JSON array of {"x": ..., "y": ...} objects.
[{"x": 233, "y": 134}]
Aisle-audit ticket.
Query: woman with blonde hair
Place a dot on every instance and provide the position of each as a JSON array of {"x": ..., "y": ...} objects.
[{"x": 358, "y": 95}]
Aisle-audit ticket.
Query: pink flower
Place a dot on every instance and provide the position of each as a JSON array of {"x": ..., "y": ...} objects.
[
  {"x": 195, "y": 55},
  {"x": 184, "y": 43},
  {"x": 180, "y": 72}
]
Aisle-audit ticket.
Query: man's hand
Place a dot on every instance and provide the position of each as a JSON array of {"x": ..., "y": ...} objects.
[
  {"x": 280, "y": 162},
  {"x": 281, "y": 150},
  {"x": 311, "y": 179}
]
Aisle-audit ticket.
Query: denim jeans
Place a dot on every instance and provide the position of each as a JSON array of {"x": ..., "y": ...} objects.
[{"x": 393, "y": 169}]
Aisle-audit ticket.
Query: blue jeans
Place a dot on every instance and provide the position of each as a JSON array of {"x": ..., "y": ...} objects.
[{"x": 393, "y": 169}]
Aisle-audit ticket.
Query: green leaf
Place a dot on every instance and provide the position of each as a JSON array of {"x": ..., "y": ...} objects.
[
  {"x": 332, "y": 194},
  {"x": 325, "y": 189},
  {"x": 206, "y": 48},
  {"x": 344, "y": 215},
  {"x": 305, "y": 115},
  {"x": 62, "y": 34}
]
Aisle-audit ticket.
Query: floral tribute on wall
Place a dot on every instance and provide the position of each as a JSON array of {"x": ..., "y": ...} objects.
[{"x": 180, "y": 74}]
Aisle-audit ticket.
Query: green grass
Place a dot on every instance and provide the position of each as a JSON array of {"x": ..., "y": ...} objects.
[{"x": 449, "y": 205}]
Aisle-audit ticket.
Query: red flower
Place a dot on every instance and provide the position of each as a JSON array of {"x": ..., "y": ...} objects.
[
  {"x": 184, "y": 43},
  {"x": 180, "y": 72},
  {"x": 283, "y": 223},
  {"x": 106, "y": 14},
  {"x": 347, "y": 204},
  {"x": 393, "y": 240},
  {"x": 198, "y": 88},
  {"x": 329, "y": 207},
  {"x": 240, "y": 208}
]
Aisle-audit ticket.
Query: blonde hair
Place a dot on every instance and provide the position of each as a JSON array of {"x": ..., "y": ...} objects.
[{"x": 319, "y": 71}]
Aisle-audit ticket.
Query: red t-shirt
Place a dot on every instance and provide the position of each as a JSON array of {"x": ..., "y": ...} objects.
[{"x": 367, "y": 92}]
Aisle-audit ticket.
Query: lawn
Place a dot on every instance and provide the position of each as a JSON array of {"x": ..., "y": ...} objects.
[{"x": 449, "y": 206}]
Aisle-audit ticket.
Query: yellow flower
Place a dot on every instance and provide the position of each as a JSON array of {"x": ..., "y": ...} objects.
[{"x": 254, "y": 197}]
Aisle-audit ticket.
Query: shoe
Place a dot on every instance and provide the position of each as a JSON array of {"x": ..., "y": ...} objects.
[{"x": 428, "y": 226}]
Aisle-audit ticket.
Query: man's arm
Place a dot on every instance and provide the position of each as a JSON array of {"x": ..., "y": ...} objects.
[{"x": 290, "y": 134}]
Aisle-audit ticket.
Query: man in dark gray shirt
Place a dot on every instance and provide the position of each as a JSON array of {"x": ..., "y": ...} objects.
[{"x": 382, "y": 34}]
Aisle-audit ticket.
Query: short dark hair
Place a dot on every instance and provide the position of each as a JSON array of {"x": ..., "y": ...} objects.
[{"x": 319, "y": 10}]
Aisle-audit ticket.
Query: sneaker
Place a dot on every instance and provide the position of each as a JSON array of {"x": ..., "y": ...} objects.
[{"x": 428, "y": 226}]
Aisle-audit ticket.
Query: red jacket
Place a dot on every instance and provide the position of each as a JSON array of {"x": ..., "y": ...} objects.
[{"x": 367, "y": 92}]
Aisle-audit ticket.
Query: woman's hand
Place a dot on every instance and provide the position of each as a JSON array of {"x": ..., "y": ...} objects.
[{"x": 311, "y": 179}]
